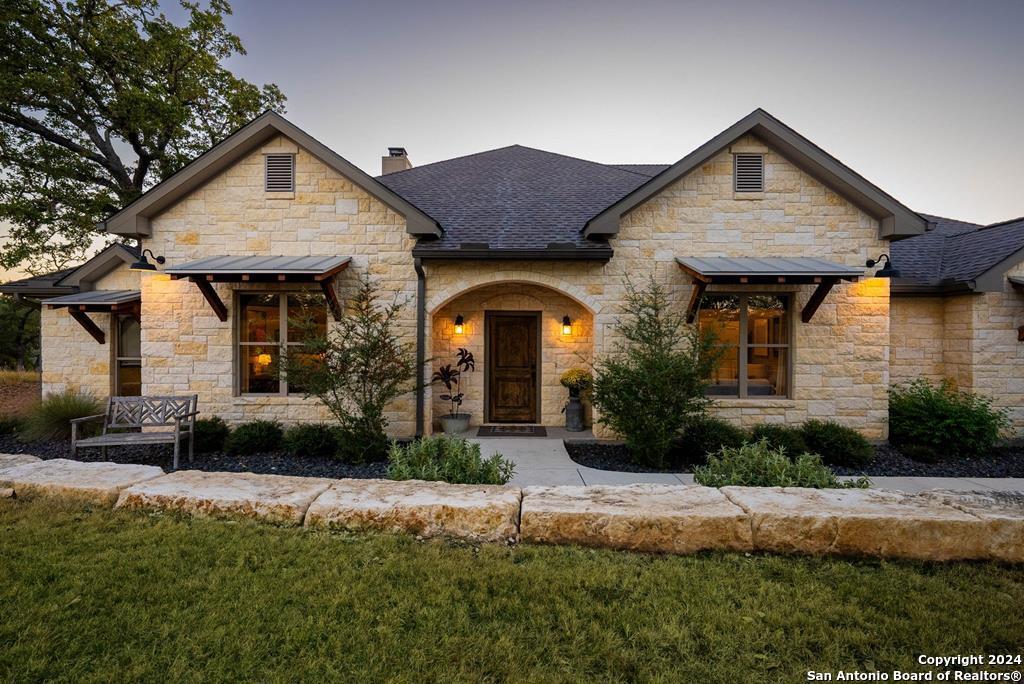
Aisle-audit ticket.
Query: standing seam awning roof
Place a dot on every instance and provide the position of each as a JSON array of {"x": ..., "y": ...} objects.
[
  {"x": 236, "y": 265},
  {"x": 97, "y": 298},
  {"x": 768, "y": 266}
]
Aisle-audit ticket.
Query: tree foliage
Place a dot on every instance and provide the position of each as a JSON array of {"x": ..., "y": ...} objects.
[
  {"x": 19, "y": 330},
  {"x": 356, "y": 369},
  {"x": 655, "y": 378},
  {"x": 100, "y": 100}
]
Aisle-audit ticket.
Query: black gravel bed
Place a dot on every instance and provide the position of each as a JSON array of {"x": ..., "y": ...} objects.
[
  {"x": 275, "y": 463},
  {"x": 1005, "y": 461}
]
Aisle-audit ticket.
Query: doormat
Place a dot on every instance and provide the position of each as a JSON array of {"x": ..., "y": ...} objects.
[{"x": 512, "y": 431}]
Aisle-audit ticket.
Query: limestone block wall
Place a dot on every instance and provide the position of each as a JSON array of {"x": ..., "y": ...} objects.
[
  {"x": 71, "y": 358},
  {"x": 185, "y": 346},
  {"x": 841, "y": 358},
  {"x": 918, "y": 341},
  {"x": 997, "y": 355},
  {"x": 558, "y": 352}
]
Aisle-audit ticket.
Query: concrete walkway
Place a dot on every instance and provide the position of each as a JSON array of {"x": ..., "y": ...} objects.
[{"x": 544, "y": 461}]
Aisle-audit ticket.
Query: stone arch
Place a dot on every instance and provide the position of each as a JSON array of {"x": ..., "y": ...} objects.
[{"x": 479, "y": 280}]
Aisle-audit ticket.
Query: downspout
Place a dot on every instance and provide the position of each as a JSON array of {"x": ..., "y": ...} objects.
[{"x": 421, "y": 340}]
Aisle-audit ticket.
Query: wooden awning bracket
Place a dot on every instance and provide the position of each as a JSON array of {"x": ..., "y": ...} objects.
[
  {"x": 87, "y": 323},
  {"x": 327, "y": 285},
  {"x": 699, "y": 287},
  {"x": 211, "y": 297},
  {"x": 817, "y": 297}
]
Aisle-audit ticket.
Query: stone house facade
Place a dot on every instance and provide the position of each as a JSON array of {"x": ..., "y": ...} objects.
[{"x": 523, "y": 258}]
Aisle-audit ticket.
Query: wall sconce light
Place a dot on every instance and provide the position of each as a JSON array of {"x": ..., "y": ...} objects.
[
  {"x": 886, "y": 271},
  {"x": 460, "y": 325},
  {"x": 566, "y": 325},
  {"x": 143, "y": 263}
]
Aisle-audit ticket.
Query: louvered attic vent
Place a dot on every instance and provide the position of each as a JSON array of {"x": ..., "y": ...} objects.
[
  {"x": 749, "y": 173},
  {"x": 280, "y": 175}
]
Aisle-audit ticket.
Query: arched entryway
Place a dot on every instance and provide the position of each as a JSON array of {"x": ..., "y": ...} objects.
[{"x": 518, "y": 334}]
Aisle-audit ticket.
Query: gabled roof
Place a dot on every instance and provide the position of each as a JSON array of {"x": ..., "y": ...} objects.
[
  {"x": 133, "y": 220},
  {"x": 513, "y": 199},
  {"x": 39, "y": 286},
  {"x": 956, "y": 255},
  {"x": 895, "y": 219},
  {"x": 100, "y": 265}
]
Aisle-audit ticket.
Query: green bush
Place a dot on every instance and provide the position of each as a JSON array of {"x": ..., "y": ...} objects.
[
  {"x": 312, "y": 439},
  {"x": 837, "y": 444},
  {"x": 51, "y": 417},
  {"x": 703, "y": 435},
  {"x": 759, "y": 464},
  {"x": 10, "y": 425},
  {"x": 448, "y": 459},
  {"x": 790, "y": 439},
  {"x": 928, "y": 421},
  {"x": 210, "y": 435},
  {"x": 360, "y": 443},
  {"x": 255, "y": 437},
  {"x": 655, "y": 377}
]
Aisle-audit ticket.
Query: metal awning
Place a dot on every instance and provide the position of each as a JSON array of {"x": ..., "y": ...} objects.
[
  {"x": 107, "y": 299},
  {"x": 277, "y": 269},
  {"x": 97, "y": 301},
  {"x": 766, "y": 271}
]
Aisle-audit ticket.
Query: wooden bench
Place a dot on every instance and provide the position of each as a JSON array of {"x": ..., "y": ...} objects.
[{"x": 142, "y": 412}]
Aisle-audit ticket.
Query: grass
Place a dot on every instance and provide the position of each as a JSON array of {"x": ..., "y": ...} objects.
[
  {"x": 13, "y": 377},
  {"x": 91, "y": 594}
]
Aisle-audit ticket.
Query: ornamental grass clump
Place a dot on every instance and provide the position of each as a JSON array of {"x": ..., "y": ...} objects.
[
  {"x": 758, "y": 464},
  {"x": 447, "y": 459},
  {"x": 51, "y": 417},
  {"x": 928, "y": 422}
]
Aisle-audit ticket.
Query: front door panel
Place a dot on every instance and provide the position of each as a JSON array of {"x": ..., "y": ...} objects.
[{"x": 512, "y": 367}]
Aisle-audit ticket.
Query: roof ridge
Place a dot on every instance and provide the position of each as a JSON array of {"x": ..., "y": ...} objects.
[
  {"x": 1003, "y": 223},
  {"x": 444, "y": 161}
]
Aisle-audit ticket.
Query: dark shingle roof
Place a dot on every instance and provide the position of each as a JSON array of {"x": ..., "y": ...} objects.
[
  {"x": 515, "y": 197},
  {"x": 46, "y": 283},
  {"x": 955, "y": 252}
]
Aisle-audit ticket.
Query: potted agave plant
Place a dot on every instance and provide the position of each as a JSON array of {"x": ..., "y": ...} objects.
[
  {"x": 450, "y": 376},
  {"x": 577, "y": 381}
]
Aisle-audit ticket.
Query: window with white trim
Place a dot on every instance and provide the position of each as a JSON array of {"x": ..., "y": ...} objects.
[
  {"x": 270, "y": 322},
  {"x": 754, "y": 333}
]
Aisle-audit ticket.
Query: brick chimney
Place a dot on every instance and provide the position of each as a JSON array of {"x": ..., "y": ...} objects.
[{"x": 397, "y": 160}]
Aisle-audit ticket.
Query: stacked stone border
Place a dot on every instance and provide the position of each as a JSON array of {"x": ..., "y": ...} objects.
[{"x": 679, "y": 519}]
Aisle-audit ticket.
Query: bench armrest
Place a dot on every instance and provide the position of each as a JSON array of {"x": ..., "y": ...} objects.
[
  {"x": 88, "y": 418},
  {"x": 188, "y": 417}
]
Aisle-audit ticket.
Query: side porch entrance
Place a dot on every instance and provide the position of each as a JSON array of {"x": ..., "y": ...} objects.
[{"x": 511, "y": 353}]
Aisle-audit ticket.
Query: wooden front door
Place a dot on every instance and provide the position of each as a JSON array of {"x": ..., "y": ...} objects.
[{"x": 512, "y": 366}]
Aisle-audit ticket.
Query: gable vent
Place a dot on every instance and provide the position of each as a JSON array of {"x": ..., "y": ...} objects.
[
  {"x": 748, "y": 173},
  {"x": 280, "y": 173}
]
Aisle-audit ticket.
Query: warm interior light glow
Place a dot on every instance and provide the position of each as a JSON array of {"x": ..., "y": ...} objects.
[
  {"x": 566, "y": 325},
  {"x": 460, "y": 328},
  {"x": 263, "y": 359}
]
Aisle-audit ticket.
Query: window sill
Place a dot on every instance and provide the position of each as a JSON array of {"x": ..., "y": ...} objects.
[{"x": 752, "y": 402}]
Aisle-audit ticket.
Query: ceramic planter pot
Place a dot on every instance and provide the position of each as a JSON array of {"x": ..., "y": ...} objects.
[{"x": 456, "y": 423}]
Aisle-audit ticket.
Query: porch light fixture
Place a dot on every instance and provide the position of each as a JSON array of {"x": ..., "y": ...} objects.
[
  {"x": 143, "y": 263},
  {"x": 566, "y": 326},
  {"x": 460, "y": 327},
  {"x": 886, "y": 271}
]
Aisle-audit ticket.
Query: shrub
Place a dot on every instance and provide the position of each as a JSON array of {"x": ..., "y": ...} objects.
[
  {"x": 837, "y": 444},
  {"x": 314, "y": 439},
  {"x": 448, "y": 459},
  {"x": 254, "y": 437},
  {"x": 790, "y": 439},
  {"x": 51, "y": 417},
  {"x": 927, "y": 421},
  {"x": 703, "y": 435},
  {"x": 210, "y": 434},
  {"x": 655, "y": 377},
  {"x": 10, "y": 425},
  {"x": 759, "y": 464},
  {"x": 356, "y": 367},
  {"x": 359, "y": 443}
]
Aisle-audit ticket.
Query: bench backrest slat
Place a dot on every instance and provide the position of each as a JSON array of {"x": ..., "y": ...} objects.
[{"x": 148, "y": 411}]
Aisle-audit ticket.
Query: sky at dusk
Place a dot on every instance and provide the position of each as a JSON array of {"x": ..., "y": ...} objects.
[{"x": 922, "y": 98}]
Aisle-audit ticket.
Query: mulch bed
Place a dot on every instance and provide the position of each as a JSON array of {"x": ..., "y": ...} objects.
[
  {"x": 1006, "y": 461},
  {"x": 276, "y": 463}
]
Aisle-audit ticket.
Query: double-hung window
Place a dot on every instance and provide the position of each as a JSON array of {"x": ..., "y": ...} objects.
[
  {"x": 753, "y": 331},
  {"x": 271, "y": 322},
  {"x": 127, "y": 349}
]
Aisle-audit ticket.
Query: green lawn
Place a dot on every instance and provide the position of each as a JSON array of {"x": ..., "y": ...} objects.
[{"x": 95, "y": 595}]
